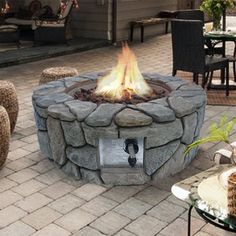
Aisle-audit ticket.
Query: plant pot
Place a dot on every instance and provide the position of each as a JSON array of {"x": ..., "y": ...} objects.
[{"x": 4, "y": 135}]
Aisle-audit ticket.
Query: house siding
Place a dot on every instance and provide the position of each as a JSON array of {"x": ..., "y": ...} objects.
[
  {"x": 129, "y": 10},
  {"x": 92, "y": 19}
]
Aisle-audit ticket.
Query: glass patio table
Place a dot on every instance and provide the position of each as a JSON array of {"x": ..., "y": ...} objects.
[{"x": 187, "y": 191}]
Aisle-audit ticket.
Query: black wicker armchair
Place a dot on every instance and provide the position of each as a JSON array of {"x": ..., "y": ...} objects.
[
  {"x": 192, "y": 14},
  {"x": 189, "y": 54}
]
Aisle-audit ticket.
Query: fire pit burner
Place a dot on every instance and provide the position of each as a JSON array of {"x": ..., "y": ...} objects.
[{"x": 85, "y": 91}]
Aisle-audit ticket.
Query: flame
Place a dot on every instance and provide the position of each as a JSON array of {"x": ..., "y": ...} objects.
[{"x": 125, "y": 80}]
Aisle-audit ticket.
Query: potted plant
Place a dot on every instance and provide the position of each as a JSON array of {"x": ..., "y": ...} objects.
[
  {"x": 218, "y": 132},
  {"x": 215, "y": 9}
]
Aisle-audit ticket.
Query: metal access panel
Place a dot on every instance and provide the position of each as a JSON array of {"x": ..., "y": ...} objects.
[{"x": 113, "y": 155}]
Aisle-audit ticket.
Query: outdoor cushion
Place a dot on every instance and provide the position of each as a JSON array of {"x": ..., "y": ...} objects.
[
  {"x": 8, "y": 27},
  {"x": 16, "y": 21}
]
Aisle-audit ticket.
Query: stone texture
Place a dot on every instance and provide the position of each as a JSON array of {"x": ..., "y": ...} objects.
[
  {"x": 173, "y": 165},
  {"x": 61, "y": 111},
  {"x": 57, "y": 142},
  {"x": 160, "y": 101},
  {"x": 44, "y": 144},
  {"x": 131, "y": 118},
  {"x": 158, "y": 112},
  {"x": 132, "y": 208},
  {"x": 198, "y": 101},
  {"x": 146, "y": 225},
  {"x": 156, "y": 134},
  {"x": 52, "y": 230},
  {"x": 181, "y": 106},
  {"x": 156, "y": 157},
  {"x": 85, "y": 156},
  {"x": 40, "y": 121},
  {"x": 73, "y": 133},
  {"x": 81, "y": 109},
  {"x": 71, "y": 169},
  {"x": 88, "y": 231},
  {"x": 91, "y": 176},
  {"x": 189, "y": 125},
  {"x": 99, "y": 206},
  {"x": 75, "y": 220},
  {"x": 92, "y": 134},
  {"x": 110, "y": 223},
  {"x": 124, "y": 176},
  {"x": 43, "y": 112},
  {"x": 103, "y": 115},
  {"x": 200, "y": 120}
]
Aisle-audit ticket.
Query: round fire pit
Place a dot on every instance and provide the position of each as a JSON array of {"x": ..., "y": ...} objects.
[{"x": 79, "y": 135}]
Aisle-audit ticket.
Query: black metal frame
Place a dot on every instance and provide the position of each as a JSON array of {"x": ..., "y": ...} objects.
[{"x": 209, "y": 219}]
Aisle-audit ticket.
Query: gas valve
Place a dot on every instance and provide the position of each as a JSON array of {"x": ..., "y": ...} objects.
[{"x": 131, "y": 147}]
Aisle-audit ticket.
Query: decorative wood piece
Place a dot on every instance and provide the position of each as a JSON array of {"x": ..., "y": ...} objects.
[
  {"x": 8, "y": 99},
  {"x": 4, "y": 135},
  {"x": 232, "y": 194},
  {"x": 56, "y": 73}
]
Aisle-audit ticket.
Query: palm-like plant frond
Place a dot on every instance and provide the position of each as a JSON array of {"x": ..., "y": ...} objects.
[{"x": 217, "y": 132}]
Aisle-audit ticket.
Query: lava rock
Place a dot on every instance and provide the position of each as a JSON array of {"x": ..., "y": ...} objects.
[{"x": 131, "y": 118}]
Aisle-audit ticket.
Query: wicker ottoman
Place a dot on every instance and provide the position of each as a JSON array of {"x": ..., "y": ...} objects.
[
  {"x": 8, "y": 99},
  {"x": 4, "y": 135},
  {"x": 55, "y": 73}
]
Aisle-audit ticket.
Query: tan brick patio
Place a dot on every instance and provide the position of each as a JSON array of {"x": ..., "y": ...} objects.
[{"x": 37, "y": 198}]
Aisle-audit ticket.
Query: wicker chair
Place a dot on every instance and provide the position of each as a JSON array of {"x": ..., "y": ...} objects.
[
  {"x": 53, "y": 30},
  {"x": 189, "y": 54},
  {"x": 193, "y": 14}
]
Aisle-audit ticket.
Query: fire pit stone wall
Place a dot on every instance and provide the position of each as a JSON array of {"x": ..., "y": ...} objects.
[{"x": 69, "y": 130}]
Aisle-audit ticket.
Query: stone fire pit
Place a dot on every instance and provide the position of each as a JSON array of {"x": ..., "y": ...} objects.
[{"x": 69, "y": 130}]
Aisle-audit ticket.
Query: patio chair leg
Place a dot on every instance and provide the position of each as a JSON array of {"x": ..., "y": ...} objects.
[
  {"x": 227, "y": 79},
  {"x": 234, "y": 68},
  {"x": 195, "y": 78},
  {"x": 222, "y": 76},
  {"x": 189, "y": 220},
  {"x": 210, "y": 80},
  {"x": 174, "y": 72}
]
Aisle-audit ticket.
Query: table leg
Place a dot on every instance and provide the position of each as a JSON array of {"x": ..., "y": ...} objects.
[
  {"x": 142, "y": 33},
  {"x": 167, "y": 26},
  {"x": 189, "y": 220},
  {"x": 131, "y": 32}
]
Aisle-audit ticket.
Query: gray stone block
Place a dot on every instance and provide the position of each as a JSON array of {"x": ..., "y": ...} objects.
[
  {"x": 131, "y": 118},
  {"x": 60, "y": 111},
  {"x": 156, "y": 134},
  {"x": 158, "y": 112},
  {"x": 40, "y": 122},
  {"x": 103, "y": 115},
  {"x": 189, "y": 124},
  {"x": 180, "y": 106},
  {"x": 91, "y": 176},
  {"x": 73, "y": 132},
  {"x": 200, "y": 120},
  {"x": 43, "y": 112},
  {"x": 160, "y": 101},
  {"x": 57, "y": 142},
  {"x": 81, "y": 109},
  {"x": 84, "y": 156},
  {"x": 92, "y": 134},
  {"x": 156, "y": 157},
  {"x": 44, "y": 144},
  {"x": 174, "y": 165},
  {"x": 71, "y": 169}
]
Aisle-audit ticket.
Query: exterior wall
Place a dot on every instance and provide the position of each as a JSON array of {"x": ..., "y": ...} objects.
[
  {"x": 129, "y": 10},
  {"x": 92, "y": 19}
]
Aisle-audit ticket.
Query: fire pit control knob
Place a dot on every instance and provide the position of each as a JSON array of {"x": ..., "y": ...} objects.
[{"x": 131, "y": 147}]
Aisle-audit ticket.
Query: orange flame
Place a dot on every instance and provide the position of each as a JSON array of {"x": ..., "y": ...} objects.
[{"x": 124, "y": 80}]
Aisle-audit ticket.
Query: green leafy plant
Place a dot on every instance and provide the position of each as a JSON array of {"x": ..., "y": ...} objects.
[
  {"x": 215, "y": 8},
  {"x": 218, "y": 132}
]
